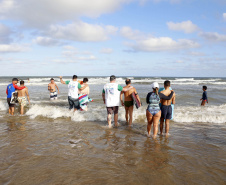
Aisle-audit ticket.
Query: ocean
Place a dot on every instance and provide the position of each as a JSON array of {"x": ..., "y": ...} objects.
[{"x": 52, "y": 145}]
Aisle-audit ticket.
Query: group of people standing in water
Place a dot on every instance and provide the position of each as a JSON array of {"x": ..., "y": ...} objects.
[
  {"x": 112, "y": 94},
  {"x": 154, "y": 112}
]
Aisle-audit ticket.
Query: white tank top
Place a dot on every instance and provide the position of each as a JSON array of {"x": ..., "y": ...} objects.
[
  {"x": 112, "y": 95},
  {"x": 73, "y": 89}
]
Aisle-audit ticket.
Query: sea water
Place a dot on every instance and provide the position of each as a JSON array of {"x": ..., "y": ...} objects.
[{"x": 52, "y": 145}]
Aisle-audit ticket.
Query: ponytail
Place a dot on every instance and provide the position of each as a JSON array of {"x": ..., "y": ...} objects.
[{"x": 156, "y": 90}]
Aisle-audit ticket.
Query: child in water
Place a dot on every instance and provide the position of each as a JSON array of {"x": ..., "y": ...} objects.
[{"x": 204, "y": 98}]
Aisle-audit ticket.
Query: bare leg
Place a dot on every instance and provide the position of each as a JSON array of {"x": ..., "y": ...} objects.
[
  {"x": 167, "y": 126},
  {"x": 203, "y": 103},
  {"x": 75, "y": 110},
  {"x": 149, "y": 119},
  {"x": 116, "y": 119},
  {"x": 156, "y": 118},
  {"x": 21, "y": 110},
  {"x": 130, "y": 115},
  {"x": 161, "y": 125},
  {"x": 127, "y": 114},
  {"x": 12, "y": 111},
  {"x": 109, "y": 120}
]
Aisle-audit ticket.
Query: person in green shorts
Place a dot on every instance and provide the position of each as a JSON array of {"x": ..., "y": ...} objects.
[{"x": 128, "y": 101}]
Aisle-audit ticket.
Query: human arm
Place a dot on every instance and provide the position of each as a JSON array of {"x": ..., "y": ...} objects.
[
  {"x": 49, "y": 88},
  {"x": 121, "y": 95},
  {"x": 136, "y": 93},
  {"x": 61, "y": 80},
  {"x": 174, "y": 99},
  {"x": 57, "y": 88},
  {"x": 147, "y": 98},
  {"x": 26, "y": 92},
  {"x": 18, "y": 88},
  {"x": 163, "y": 96},
  {"x": 206, "y": 97},
  {"x": 82, "y": 88},
  {"x": 103, "y": 96}
]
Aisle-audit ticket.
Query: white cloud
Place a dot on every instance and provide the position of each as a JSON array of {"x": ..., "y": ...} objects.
[
  {"x": 150, "y": 43},
  {"x": 185, "y": 26},
  {"x": 45, "y": 41},
  {"x": 9, "y": 48},
  {"x": 106, "y": 50},
  {"x": 43, "y": 12},
  {"x": 197, "y": 53},
  {"x": 163, "y": 44},
  {"x": 4, "y": 34},
  {"x": 224, "y": 16},
  {"x": 179, "y": 61},
  {"x": 128, "y": 33},
  {"x": 213, "y": 36},
  {"x": 91, "y": 57},
  {"x": 81, "y": 31}
]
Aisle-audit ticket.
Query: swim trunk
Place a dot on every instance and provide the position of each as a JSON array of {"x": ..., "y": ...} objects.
[
  {"x": 111, "y": 110},
  {"x": 22, "y": 101},
  {"x": 73, "y": 103},
  {"x": 53, "y": 95},
  {"x": 166, "y": 111},
  {"x": 128, "y": 103},
  {"x": 10, "y": 104}
]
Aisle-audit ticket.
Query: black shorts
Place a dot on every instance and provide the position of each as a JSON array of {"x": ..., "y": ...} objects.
[
  {"x": 73, "y": 103},
  {"x": 166, "y": 111},
  {"x": 10, "y": 104},
  {"x": 111, "y": 110}
]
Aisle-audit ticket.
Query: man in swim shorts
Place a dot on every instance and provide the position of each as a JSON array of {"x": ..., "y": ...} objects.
[
  {"x": 52, "y": 89},
  {"x": 166, "y": 107},
  {"x": 11, "y": 88},
  {"x": 22, "y": 97},
  {"x": 111, "y": 97},
  {"x": 204, "y": 98},
  {"x": 128, "y": 101},
  {"x": 73, "y": 88}
]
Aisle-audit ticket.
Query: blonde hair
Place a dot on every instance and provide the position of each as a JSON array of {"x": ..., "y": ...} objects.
[{"x": 156, "y": 90}]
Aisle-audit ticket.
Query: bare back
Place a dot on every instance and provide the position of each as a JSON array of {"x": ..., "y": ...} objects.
[
  {"x": 128, "y": 94},
  {"x": 23, "y": 92},
  {"x": 167, "y": 92}
]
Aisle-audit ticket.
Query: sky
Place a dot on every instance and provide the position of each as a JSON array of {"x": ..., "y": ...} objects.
[{"x": 173, "y": 38}]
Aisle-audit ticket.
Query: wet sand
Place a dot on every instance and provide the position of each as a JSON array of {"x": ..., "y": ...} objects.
[{"x": 48, "y": 151}]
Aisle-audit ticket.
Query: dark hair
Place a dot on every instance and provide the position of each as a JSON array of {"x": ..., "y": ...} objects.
[
  {"x": 128, "y": 81},
  {"x": 204, "y": 87},
  {"x": 85, "y": 80},
  {"x": 167, "y": 83},
  {"x": 74, "y": 77},
  {"x": 21, "y": 82},
  {"x": 15, "y": 79},
  {"x": 112, "y": 77},
  {"x": 51, "y": 79}
]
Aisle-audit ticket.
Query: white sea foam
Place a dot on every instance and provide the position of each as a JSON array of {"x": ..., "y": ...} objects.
[
  {"x": 103, "y": 80},
  {"x": 208, "y": 114},
  {"x": 182, "y": 114},
  {"x": 3, "y": 106}
]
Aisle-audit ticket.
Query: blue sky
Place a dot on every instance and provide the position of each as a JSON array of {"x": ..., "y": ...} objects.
[{"x": 184, "y": 38}]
